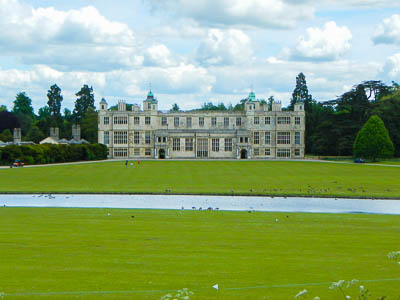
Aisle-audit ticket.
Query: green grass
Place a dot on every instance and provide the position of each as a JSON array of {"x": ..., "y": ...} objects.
[
  {"x": 54, "y": 251},
  {"x": 209, "y": 177}
]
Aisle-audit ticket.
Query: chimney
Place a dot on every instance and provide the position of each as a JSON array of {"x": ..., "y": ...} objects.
[
  {"x": 17, "y": 135},
  {"x": 76, "y": 132},
  {"x": 121, "y": 105},
  {"x": 55, "y": 133}
]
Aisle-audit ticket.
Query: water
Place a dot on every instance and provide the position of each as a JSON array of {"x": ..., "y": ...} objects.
[{"x": 236, "y": 203}]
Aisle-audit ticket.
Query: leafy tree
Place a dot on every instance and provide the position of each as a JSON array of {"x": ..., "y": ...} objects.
[
  {"x": 84, "y": 102},
  {"x": 174, "y": 108},
  {"x": 35, "y": 135},
  {"x": 373, "y": 141},
  {"x": 44, "y": 113},
  {"x": 3, "y": 108},
  {"x": 55, "y": 99},
  {"x": 271, "y": 100},
  {"x": 89, "y": 126},
  {"x": 6, "y": 136},
  {"x": 300, "y": 93},
  {"x": 8, "y": 121},
  {"x": 23, "y": 105}
]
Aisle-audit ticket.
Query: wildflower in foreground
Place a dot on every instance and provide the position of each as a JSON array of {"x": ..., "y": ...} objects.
[{"x": 301, "y": 293}]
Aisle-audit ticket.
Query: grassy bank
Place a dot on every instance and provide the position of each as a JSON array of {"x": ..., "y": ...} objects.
[
  {"x": 52, "y": 253},
  {"x": 209, "y": 177}
]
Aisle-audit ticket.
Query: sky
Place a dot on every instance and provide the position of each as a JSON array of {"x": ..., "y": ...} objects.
[{"x": 191, "y": 52}]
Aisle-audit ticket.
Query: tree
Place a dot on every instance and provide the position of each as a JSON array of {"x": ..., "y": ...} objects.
[
  {"x": 89, "y": 126},
  {"x": 3, "y": 108},
  {"x": 84, "y": 102},
  {"x": 35, "y": 135},
  {"x": 175, "y": 107},
  {"x": 300, "y": 93},
  {"x": 55, "y": 99},
  {"x": 373, "y": 141},
  {"x": 44, "y": 112},
  {"x": 23, "y": 104},
  {"x": 8, "y": 121},
  {"x": 6, "y": 136},
  {"x": 271, "y": 100}
]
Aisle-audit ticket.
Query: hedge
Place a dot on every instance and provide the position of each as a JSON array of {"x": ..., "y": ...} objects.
[{"x": 48, "y": 153}]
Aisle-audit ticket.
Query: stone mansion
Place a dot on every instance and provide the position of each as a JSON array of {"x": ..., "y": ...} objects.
[{"x": 255, "y": 133}]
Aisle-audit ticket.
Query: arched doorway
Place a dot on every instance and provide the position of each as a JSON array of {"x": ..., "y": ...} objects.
[
  {"x": 161, "y": 154},
  {"x": 243, "y": 154}
]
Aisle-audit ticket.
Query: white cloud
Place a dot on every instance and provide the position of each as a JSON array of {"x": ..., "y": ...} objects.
[
  {"x": 257, "y": 13},
  {"x": 158, "y": 55},
  {"x": 329, "y": 43},
  {"x": 388, "y": 32},
  {"x": 392, "y": 67},
  {"x": 224, "y": 47}
]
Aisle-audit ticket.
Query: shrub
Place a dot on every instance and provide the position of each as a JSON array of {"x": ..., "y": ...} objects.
[{"x": 373, "y": 141}]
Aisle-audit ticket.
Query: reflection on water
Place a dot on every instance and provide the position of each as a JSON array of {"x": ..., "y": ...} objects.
[{"x": 282, "y": 204}]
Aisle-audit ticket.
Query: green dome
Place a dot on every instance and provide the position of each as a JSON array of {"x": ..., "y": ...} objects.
[
  {"x": 252, "y": 96},
  {"x": 150, "y": 95}
]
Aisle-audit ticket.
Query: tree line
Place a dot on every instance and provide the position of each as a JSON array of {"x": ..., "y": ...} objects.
[{"x": 36, "y": 127}]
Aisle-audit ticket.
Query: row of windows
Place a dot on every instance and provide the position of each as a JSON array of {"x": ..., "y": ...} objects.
[
  {"x": 123, "y": 152},
  {"x": 280, "y": 152},
  {"x": 176, "y": 144},
  {"x": 256, "y": 121},
  {"x": 283, "y": 138}
]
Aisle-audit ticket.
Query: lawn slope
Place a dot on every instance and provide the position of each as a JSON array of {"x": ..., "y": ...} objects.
[
  {"x": 208, "y": 177},
  {"x": 53, "y": 253}
]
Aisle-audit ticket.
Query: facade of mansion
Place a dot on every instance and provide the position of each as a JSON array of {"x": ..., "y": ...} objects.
[{"x": 255, "y": 133}]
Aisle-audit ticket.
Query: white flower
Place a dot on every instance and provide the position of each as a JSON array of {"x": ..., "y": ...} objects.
[
  {"x": 335, "y": 285},
  {"x": 317, "y": 298},
  {"x": 348, "y": 297},
  {"x": 301, "y": 293},
  {"x": 361, "y": 288}
]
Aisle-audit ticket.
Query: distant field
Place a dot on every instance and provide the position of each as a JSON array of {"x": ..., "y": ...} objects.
[
  {"x": 209, "y": 177},
  {"x": 52, "y": 253}
]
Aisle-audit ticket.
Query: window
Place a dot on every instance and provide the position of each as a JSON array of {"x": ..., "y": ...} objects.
[
  {"x": 202, "y": 148},
  {"x": 106, "y": 120},
  {"x": 148, "y": 105},
  {"x": 238, "y": 121},
  {"x": 226, "y": 122},
  {"x": 228, "y": 145},
  {"x": 120, "y": 152},
  {"x": 120, "y": 120},
  {"x": 256, "y": 138},
  {"x": 136, "y": 137},
  {"x": 213, "y": 121},
  {"x": 176, "y": 144},
  {"x": 268, "y": 138},
  {"x": 147, "y": 120},
  {"x": 201, "y": 122},
  {"x": 256, "y": 152},
  {"x": 176, "y": 121},
  {"x": 297, "y": 152},
  {"x": 120, "y": 137},
  {"x": 267, "y": 152},
  {"x": 267, "y": 120},
  {"x": 106, "y": 137},
  {"x": 215, "y": 145},
  {"x": 283, "y": 153},
  {"x": 136, "y": 152},
  {"x": 188, "y": 144},
  {"x": 164, "y": 139},
  {"x": 297, "y": 120},
  {"x": 284, "y": 120},
  {"x": 189, "y": 122},
  {"x": 244, "y": 139},
  {"x": 147, "y": 152},
  {"x": 136, "y": 120},
  {"x": 297, "y": 138},
  {"x": 159, "y": 139},
  {"x": 147, "y": 138},
  {"x": 256, "y": 120},
  {"x": 163, "y": 121},
  {"x": 283, "y": 138}
]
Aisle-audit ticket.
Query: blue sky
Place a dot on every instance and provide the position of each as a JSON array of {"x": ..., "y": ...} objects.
[{"x": 195, "y": 51}]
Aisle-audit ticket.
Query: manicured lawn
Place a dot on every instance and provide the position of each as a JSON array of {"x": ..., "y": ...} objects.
[
  {"x": 60, "y": 253},
  {"x": 209, "y": 177}
]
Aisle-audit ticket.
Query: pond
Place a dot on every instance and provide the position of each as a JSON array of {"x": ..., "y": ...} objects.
[{"x": 236, "y": 203}]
